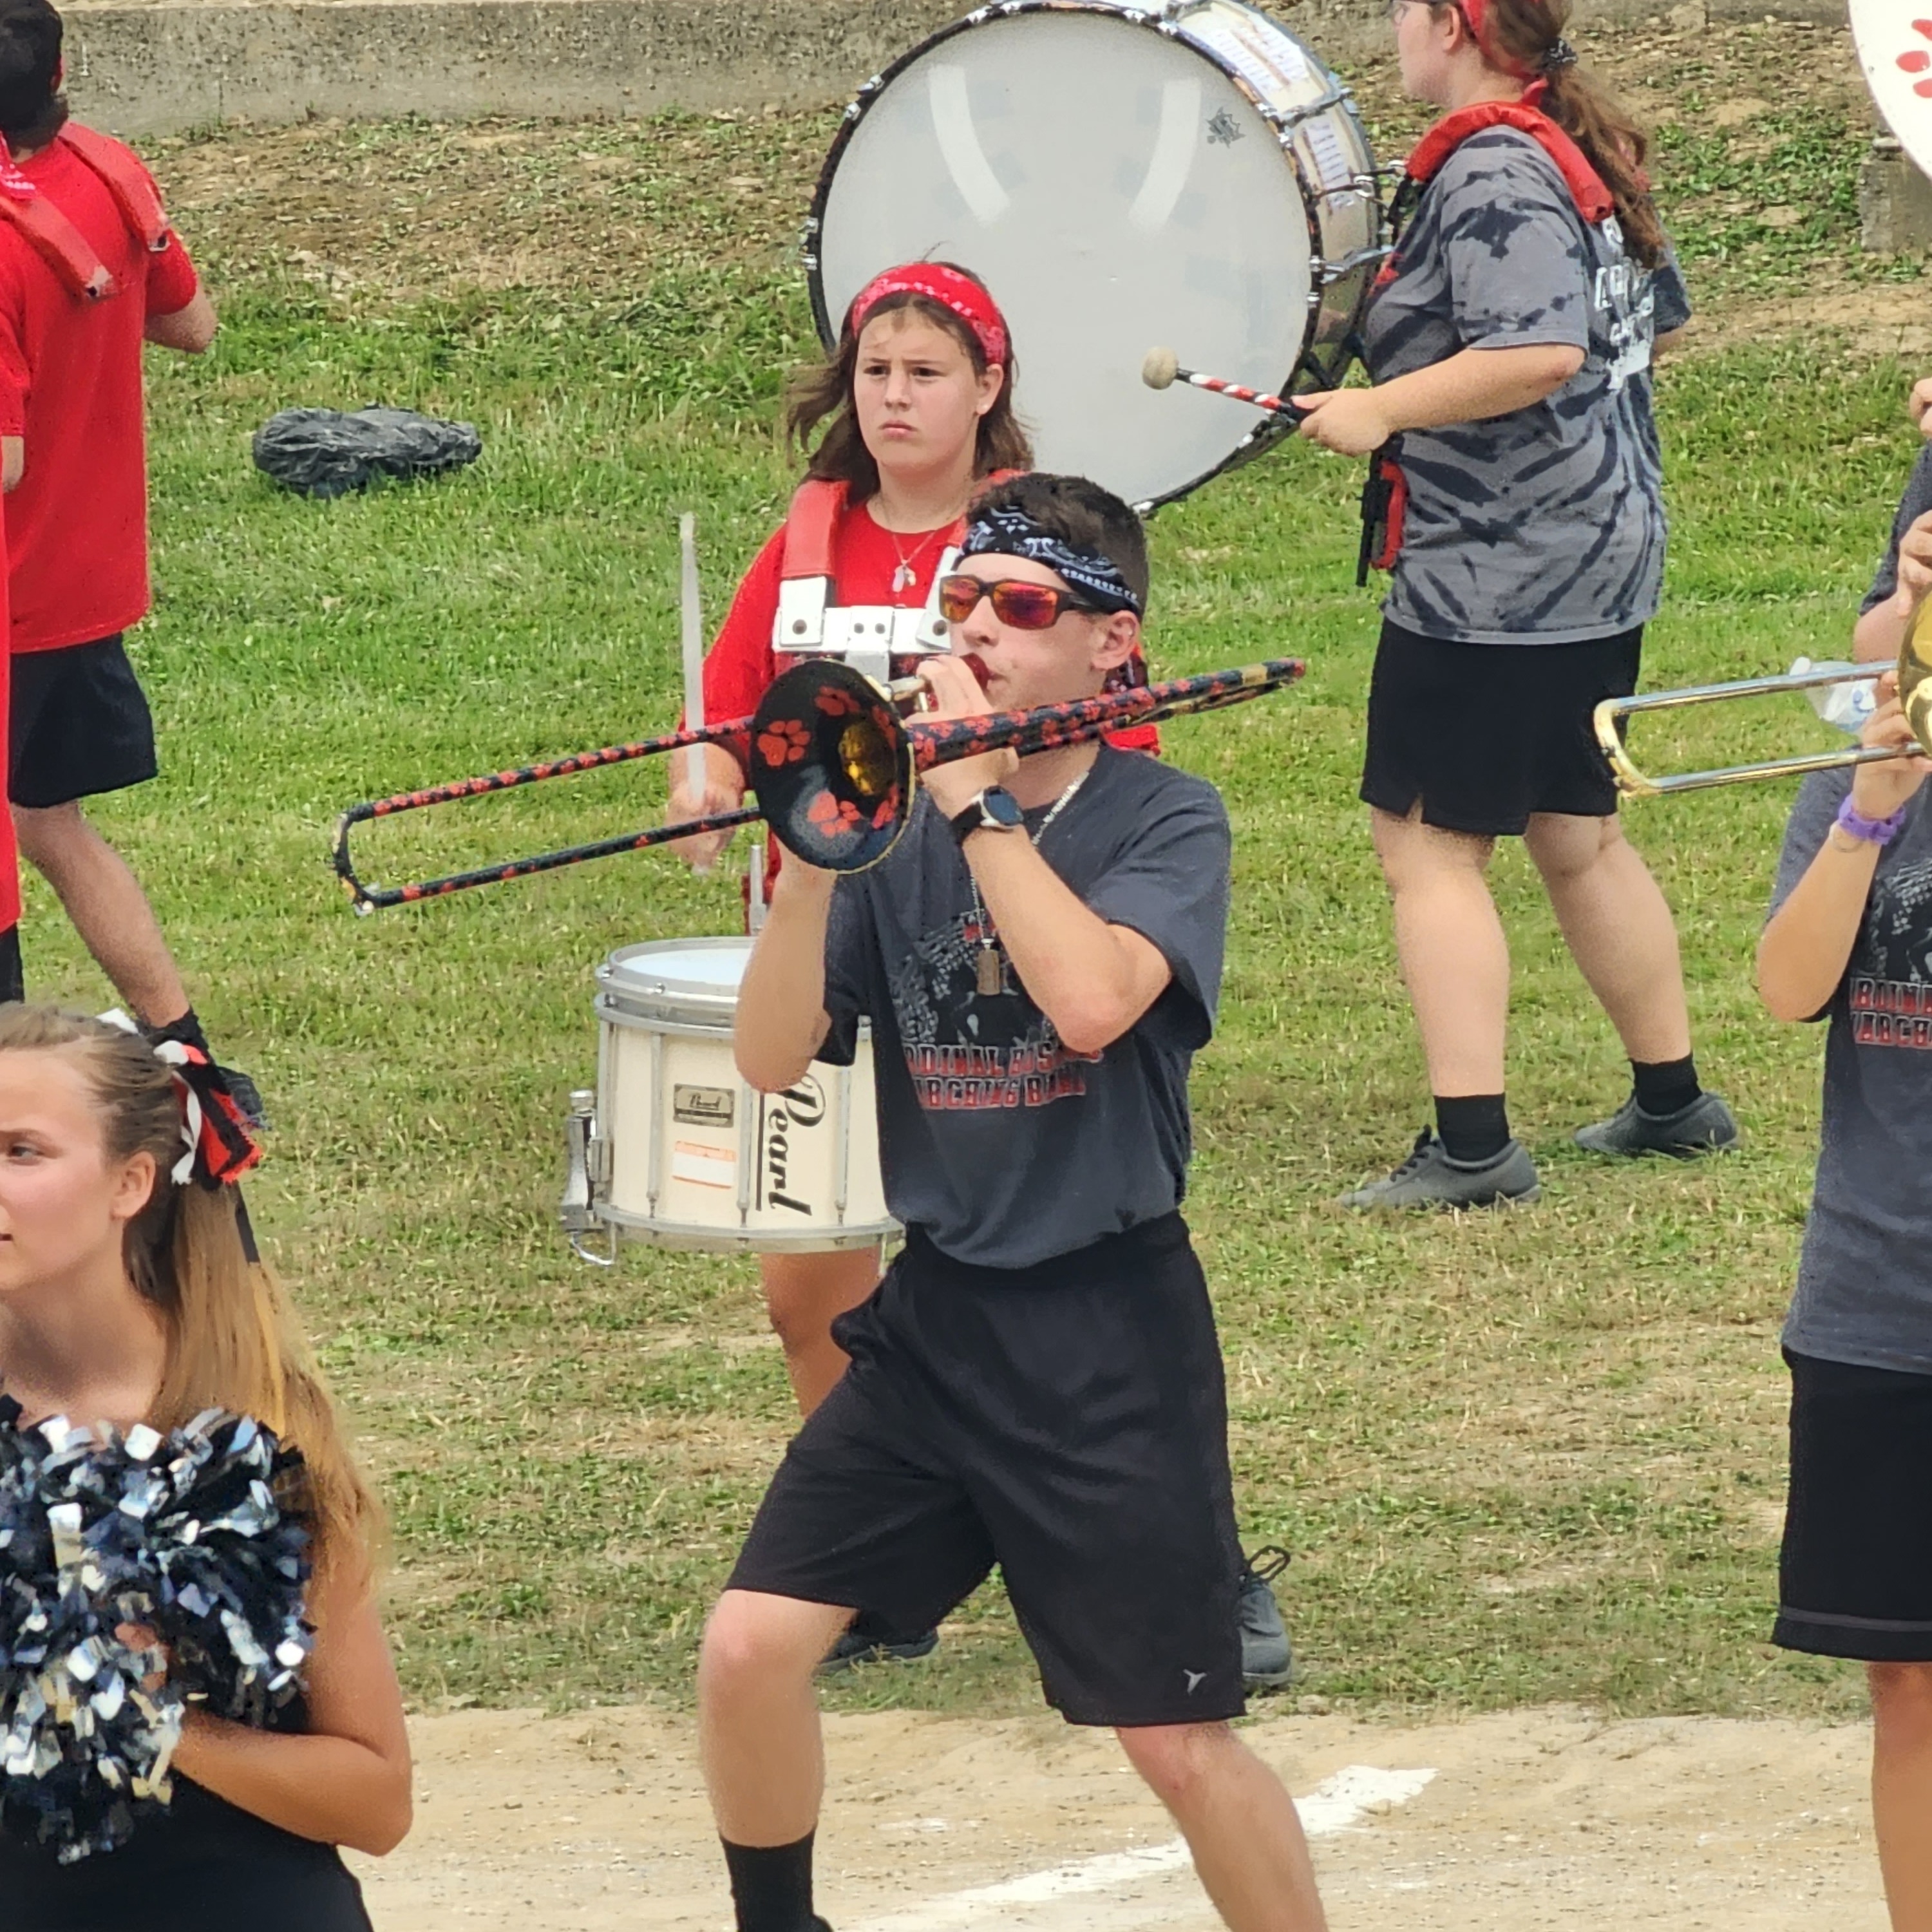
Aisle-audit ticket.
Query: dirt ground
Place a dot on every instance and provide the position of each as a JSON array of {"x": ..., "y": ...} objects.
[{"x": 1533, "y": 1820}]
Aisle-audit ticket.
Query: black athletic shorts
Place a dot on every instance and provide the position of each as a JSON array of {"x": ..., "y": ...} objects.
[
  {"x": 13, "y": 973},
  {"x": 78, "y": 723},
  {"x": 1068, "y": 1422},
  {"x": 1855, "y": 1579},
  {"x": 1485, "y": 735}
]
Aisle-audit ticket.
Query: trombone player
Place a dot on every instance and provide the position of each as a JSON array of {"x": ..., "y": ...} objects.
[{"x": 1849, "y": 941}]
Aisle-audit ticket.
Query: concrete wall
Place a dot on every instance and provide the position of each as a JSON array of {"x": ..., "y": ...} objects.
[{"x": 147, "y": 69}]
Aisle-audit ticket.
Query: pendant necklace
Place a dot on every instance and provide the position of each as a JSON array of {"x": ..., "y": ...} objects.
[
  {"x": 989, "y": 972},
  {"x": 907, "y": 575}
]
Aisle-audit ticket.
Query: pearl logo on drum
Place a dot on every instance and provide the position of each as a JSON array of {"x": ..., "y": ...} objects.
[
  {"x": 785, "y": 1117},
  {"x": 703, "y": 1106}
]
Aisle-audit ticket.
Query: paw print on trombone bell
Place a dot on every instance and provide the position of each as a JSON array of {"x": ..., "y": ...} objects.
[{"x": 1918, "y": 60}]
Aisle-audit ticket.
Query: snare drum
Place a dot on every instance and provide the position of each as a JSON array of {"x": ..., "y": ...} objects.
[
  {"x": 674, "y": 1148},
  {"x": 1185, "y": 175}
]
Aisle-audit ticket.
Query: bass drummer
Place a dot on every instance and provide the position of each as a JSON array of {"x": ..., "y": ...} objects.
[{"x": 1509, "y": 339}]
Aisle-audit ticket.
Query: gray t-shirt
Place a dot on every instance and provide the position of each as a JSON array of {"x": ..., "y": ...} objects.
[
  {"x": 1004, "y": 1147},
  {"x": 1545, "y": 526},
  {"x": 1864, "y": 1281},
  {"x": 1913, "y": 504}
]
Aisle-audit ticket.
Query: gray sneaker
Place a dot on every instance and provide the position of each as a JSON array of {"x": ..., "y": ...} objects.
[
  {"x": 1267, "y": 1664},
  {"x": 1705, "y": 1126},
  {"x": 1429, "y": 1178}
]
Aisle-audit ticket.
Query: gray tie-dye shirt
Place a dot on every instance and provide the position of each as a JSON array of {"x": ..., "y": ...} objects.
[{"x": 1545, "y": 526}]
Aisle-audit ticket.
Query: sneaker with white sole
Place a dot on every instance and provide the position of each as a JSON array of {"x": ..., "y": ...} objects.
[
  {"x": 1705, "y": 1126},
  {"x": 1429, "y": 1178}
]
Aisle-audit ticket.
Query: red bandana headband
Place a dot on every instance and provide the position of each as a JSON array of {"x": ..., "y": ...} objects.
[
  {"x": 1561, "y": 53},
  {"x": 958, "y": 294}
]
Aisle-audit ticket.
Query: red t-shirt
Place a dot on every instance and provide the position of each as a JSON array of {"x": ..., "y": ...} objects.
[
  {"x": 77, "y": 526},
  {"x": 865, "y": 557}
]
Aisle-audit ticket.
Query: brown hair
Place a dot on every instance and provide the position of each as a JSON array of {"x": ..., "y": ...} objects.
[
  {"x": 233, "y": 1342},
  {"x": 825, "y": 389},
  {"x": 1080, "y": 514},
  {"x": 1520, "y": 34}
]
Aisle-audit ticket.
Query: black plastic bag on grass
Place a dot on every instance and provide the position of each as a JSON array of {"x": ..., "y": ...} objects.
[{"x": 328, "y": 452}]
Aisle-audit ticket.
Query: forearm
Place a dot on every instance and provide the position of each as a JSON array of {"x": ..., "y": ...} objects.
[
  {"x": 1084, "y": 975},
  {"x": 1803, "y": 954},
  {"x": 1878, "y": 635},
  {"x": 1475, "y": 384},
  {"x": 331, "y": 1789},
  {"x": 781, "y": 1019}
]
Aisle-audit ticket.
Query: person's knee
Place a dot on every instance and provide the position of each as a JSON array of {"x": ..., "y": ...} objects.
[
  {"x": 1412, "y": 853},
  {"x": 1179, "y": 1763},
  {"x": 752, "y": 1639},
  {"x": 804, "y": 1294},
  {"x": 1901, "y": 1700},
  {"x": 1564, "y": 848},
  {"x": 49, "y": 833}
]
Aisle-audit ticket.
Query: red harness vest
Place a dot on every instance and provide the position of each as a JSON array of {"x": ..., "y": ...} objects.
[{"x": 56, "y": 240}]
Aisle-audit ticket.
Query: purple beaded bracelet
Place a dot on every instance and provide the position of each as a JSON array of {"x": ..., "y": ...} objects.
[{"x": 1872, "y": 831}]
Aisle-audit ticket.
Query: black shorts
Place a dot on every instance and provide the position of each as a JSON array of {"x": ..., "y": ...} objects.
[
  {"x": 1854, "y": 1578},
  {"x": 1485, "y": 735},
  {"x": 1068, "y": 1422},
  {"x": 78, "y": 723}
]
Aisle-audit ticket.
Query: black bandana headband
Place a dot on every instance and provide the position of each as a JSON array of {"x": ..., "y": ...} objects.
[{"x": 1002, "y": 530}]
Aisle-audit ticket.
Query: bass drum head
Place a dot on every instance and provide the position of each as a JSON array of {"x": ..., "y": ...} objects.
[{"x": 1117, "y": 189}]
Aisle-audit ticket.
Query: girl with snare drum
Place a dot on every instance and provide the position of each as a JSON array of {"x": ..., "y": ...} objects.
[
  {"x": 129, "y": 1294},
  {"x": 1510, "y": 338},
  {"x": 917, "y": 406}
]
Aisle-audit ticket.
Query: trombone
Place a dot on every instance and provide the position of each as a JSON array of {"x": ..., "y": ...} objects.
[
  {"x": 1915, "y": 688},
  {"x": 832, "y": 765}
]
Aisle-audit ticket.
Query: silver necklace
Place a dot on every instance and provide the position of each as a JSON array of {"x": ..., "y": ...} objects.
[
  {"x": 907, "y": 575},
  {"x": 989, "y": 973}
]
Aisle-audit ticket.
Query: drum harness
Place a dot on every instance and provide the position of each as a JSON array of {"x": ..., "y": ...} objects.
[
  {"x": 1385, "y": 491},
  {"x": 56, "y": 240}
]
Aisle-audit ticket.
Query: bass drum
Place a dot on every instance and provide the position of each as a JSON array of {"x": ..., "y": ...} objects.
[{"x": 1189, "y": 176}]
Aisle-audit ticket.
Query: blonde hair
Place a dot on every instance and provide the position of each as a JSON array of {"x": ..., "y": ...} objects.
[{"x": 233, "y": 1341}]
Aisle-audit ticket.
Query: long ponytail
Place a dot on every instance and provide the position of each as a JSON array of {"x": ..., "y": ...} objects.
[
  {"x": 1521, "y": 37},
  {"x": 233, "y": 1341}
]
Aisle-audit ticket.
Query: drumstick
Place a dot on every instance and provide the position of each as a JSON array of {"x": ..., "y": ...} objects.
[
  {"x": 694, "y": 661},
  {"x": 1162, "y": 370}
]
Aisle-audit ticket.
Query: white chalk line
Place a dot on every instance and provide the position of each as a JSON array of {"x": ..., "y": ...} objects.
[{"x": 1337, "y": 1804}]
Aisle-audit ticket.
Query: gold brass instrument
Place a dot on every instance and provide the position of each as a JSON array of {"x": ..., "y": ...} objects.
[
  {"x": 832, "y": 765},
  {"x": 1914, "y": 688}
]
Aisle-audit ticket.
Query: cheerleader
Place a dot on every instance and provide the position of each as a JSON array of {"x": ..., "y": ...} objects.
[
  {"x": 127, "y": 1296},
  {"x": 1509, "y": 338}
]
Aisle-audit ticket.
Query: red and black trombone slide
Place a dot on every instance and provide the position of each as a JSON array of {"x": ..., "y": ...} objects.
[{"x": 832, "y": 764}]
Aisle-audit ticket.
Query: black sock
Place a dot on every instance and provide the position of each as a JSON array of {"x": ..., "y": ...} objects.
[
  {"x": 187, "y": 1030},
  {"x": 1474, "y": 1127},
  {"x": 771, "y": 1886},
  {"x": 1665, "y": 1086}
]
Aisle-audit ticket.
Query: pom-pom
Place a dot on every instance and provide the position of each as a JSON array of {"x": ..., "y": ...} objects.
[{"x": 105, "y": 1537}]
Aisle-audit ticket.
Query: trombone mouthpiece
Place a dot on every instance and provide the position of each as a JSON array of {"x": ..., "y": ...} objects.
[{"x": 1160, "y": 368}]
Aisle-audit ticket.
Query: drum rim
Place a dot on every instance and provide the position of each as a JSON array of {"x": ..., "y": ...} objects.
[{"x": 1262, "y": 435}]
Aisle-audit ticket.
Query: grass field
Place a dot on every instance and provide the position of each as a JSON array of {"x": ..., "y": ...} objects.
[{"x": 1520, "y": 1458}]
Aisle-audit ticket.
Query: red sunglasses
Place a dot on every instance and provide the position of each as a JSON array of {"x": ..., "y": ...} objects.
[{"x": 1025, "y": 606}]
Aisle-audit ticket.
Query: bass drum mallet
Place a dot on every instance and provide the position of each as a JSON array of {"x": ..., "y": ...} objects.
[{"x": 1162, "y": 370}]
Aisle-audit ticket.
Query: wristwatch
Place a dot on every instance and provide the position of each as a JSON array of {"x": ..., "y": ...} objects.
[{"x": 994, "y": 810}]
